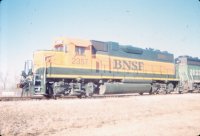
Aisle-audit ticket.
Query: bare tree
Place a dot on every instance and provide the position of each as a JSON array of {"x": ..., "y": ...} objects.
[
  {"x": 3, "y": 80},
  {"x": 16, "y": 78}
]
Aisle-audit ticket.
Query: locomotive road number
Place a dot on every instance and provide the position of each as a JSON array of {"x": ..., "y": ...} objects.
[{"x": 79, "y": 61}]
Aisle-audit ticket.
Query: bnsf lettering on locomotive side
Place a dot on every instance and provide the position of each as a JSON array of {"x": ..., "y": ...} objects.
[
  {"x": 194, "y": 72},
  {"x": 128, "y": 65}
]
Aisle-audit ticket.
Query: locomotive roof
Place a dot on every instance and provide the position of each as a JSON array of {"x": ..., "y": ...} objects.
[
  {"x": 80, "y": 42},
  {"x": 115, "y": 49},
  {"x": 190, "y": 58},
  {"x": 129, "y": 51}
]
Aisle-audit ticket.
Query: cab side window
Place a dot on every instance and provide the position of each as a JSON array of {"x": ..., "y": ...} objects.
[
  {"x": 80, "y": 50},
  {"x": 59, "y": 48}
]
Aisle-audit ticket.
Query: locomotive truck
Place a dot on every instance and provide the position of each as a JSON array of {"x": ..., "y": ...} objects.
[{"x": 86, "y": 67}]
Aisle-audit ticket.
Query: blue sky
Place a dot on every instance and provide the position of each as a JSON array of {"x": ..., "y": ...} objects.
[{"x": 30, "y": 25}]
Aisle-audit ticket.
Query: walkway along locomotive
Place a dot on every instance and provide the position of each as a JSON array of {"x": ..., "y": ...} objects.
[{"x": 87, "y": 67}]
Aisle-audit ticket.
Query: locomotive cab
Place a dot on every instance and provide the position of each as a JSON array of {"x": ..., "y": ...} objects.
[{"x": 53, "y": 67}]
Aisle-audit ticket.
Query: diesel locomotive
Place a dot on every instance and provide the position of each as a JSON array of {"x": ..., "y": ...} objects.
[{"x": 87, "y": 67}]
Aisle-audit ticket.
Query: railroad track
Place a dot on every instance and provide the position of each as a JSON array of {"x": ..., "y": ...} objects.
[
  {"x": 62, "y": 97},
  {"x": 12, "y": 98},
  {"x": 74, "y": 97},
  {"x": 26, "y": 98}
]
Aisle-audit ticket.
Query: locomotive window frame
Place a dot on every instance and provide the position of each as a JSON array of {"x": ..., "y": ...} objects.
[
  {"x": 79, "y": 50},
  {"x": 65, "y": 48},
  {"x": 59, "y": 48}
]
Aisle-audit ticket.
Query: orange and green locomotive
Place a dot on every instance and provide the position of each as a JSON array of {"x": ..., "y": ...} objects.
[{"x": 87, "y": 67}]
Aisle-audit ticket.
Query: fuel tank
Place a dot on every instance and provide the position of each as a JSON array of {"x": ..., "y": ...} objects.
[{"x": 120, "y": 88}]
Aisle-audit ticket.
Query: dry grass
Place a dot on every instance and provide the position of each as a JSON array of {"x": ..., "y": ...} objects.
[{"x": 143, "y": 115}]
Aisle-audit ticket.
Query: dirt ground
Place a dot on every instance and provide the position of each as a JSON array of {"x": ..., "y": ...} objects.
[{"x": 169, "y": 115}]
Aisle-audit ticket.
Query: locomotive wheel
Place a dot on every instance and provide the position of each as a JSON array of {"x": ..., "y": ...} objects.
[
  {"x": 170, "y": 88},
  {"x": 90, "y": 87},
  {"x": 162, "y": 91},
  {"x": 50, "y": 92},
  {"x": 190, "y": 91},
  {"x": 141, "y": 93},
  {"x": 79, "y": 96}
]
